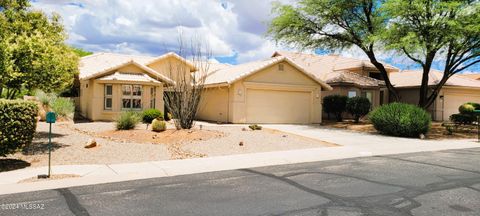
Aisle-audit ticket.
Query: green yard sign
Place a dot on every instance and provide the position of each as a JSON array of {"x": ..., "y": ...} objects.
[{"x": 50, "y": 118}]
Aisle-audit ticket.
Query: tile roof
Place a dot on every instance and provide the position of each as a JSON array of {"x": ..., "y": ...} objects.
[
  {"x": 332, "y": 68},
  {"x": 413, "y": 78},
  {"x": 472, "y": 76},
  {"x": 229, "y": 75},
  {"x": 120, "y": 76}
]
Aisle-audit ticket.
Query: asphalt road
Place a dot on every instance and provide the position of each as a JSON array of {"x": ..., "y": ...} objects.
[{"x": 431, "y": 183}]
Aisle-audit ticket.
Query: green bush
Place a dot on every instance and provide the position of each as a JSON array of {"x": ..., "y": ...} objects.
[
  {"x": 358, "y": 107},
  {"x": 475, "y": 105},
  {"x": 63, "y": 107},
  {"x": 150, "y": 114},
  {"x": 127, "y": 120},
  {"x": 463, "y": 119},
  {"x": 159, "y": 125},
  {"x": 335, "y": 104},
  {"x": 18, "y": 122},
  {"x": 466, "y": 108},
  {"x": 399, "y": 119}
]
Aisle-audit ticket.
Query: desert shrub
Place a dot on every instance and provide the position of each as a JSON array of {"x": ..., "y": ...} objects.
[
  {"x": 466, "y": 108},
  {"x": 399, "y": 119},
  {"x": 358, "y": 107},
  {"x": 255, "y": 127},
  {"x": 17, "y": 124},
  {"x": 46, "y": 99},
  {"x": 335, "y": 104},
  {"x": 159, "y": 125},
  {"x": 150, "y": 114},
  {"x": 463, "y": 119},
  {"x": 127, "y": 120},
  {"x": 475, "y": 105},
  {"x": 63, "y": 107}
]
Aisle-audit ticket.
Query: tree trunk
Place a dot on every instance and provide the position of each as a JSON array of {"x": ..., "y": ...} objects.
[
  {"x": 423, "y": 100},
  {"x": 391, "y": 89}
]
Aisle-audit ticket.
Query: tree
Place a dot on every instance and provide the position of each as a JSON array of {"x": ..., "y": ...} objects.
[
  {"x": 33, "y": 54},
  {"x": 332, "y": 25},
  {"x": 427, "y": 29},
  {"x": 358, "y": 107},
  {"x": 183, "y": 97},
  {"x": 81, "y": 52}
]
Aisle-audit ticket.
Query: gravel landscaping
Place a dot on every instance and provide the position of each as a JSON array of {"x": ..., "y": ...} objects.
[{"x": 140, "y": 145}]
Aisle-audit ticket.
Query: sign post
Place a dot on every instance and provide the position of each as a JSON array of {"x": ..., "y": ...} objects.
[
  {"x": 50, "y": 119},
  {"x": 477, "y": 112}
]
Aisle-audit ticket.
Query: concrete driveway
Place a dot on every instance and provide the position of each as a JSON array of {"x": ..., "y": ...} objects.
[{"x": 350, "y": 138}]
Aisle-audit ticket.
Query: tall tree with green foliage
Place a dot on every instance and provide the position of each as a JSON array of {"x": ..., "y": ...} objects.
[
  {"x": 33, "y": 53},
  {"x": 333, "y": 25},
  {"x": 81, "y": 52},
  {"x": 430, "y": 30}
]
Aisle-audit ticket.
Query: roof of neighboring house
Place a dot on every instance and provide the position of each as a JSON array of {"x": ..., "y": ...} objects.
[
  {"x": 413, "y": 78},
  {"x": 229, "y": 75},
  {"x": 129, "y": 77},
  {"x": 100, "y": 63},
  {"x": 472, "y": 76},
  {"x": 332, "y": 68}
]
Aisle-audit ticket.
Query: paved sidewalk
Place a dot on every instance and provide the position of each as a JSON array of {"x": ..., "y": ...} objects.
[{"x": 355, "y": 145}]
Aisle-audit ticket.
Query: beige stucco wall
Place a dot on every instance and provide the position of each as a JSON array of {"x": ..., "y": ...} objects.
[
  {"x": 173, "y": 68},
  {"x": 447, "y": 103},
  {"x": 273, "y": 81},
  {"x": 92, "y": 96}
]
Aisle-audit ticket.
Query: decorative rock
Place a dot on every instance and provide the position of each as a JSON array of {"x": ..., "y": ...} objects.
[
  {"x": 244, "y": 129},
  {"x": 241, "y": 143},
  {"x": 284, "y": 135},
  {"x": 91, "y": 144},
  {"x": 422, "y": 136}
]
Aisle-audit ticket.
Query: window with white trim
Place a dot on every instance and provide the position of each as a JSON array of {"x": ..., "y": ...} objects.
[
  {"x": 108, "y": 95},
  {"x": 132, "y": 97},
  {"x": 153, "y": 96},
  {"x": 352, "y": 93},
  {"x": 368, "y": 95}
]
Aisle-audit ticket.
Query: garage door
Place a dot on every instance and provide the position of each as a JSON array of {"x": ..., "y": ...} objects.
[
  {"x": 270, "y": 106},
  {"x": 453, "y": 101}
]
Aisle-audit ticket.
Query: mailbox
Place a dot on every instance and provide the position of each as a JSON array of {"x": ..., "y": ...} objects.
[{"x": 51, "y": 117}]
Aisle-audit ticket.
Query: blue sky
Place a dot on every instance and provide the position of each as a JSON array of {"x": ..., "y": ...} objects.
[{"x": 233, "y": 29}]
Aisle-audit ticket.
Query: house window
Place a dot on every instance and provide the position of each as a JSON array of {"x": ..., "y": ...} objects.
[
  {"x": 131, "y": 97},
  {"x": 280, "y": 67},
  {"x": 352, "y": 94},
  {"x": 382, "y": 97},
  {"x": 153, "y": 96},
  {"x": 368, "y": 95},
  {"x": 108, "y": 93}
]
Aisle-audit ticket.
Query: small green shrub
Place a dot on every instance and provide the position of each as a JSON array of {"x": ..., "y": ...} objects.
[
  {"x": 18, "y": 122},
  {"x": 63, "y": 107},
  {"x": 399, "y": 119},
  {"x": 335, "y": 104},
  {"x": 358, "y": 107},
  {"x": 159, "y": 125},
  {"x": 150, "y": 114},
  {"x": 466, "y": 108},
  {"x": 255, "y": 127},
  {"x": 475, "y": 105},
  {"x": 463, "y": 119},
  {"x": 127, "y": 120},
  {"x": 46, "y": 99}
]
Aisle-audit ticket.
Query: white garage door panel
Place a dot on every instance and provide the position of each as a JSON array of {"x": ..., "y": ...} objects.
[
  {"x": 269, "y": 106},
  {"x": 453, "y": 101}
]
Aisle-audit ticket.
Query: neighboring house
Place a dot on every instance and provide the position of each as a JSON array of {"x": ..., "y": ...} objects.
[
  {"x": 455, "y": 92},
  {"x": 347, "y": 76},
  {"x": 275, "y": 90},
  {"x": 112, "y": 83}
]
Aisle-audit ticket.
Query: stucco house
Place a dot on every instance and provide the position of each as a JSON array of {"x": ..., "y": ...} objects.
[
  {"x": 475, "y": 76},
  {"x": 458, "y": 90},
  {"x": 111, "y": 83},
  {"x": 274, "y": 90},
  {"x": 347, "y": 76}
]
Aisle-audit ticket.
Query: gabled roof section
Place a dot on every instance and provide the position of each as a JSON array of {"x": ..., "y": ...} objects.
[
  {"x": 174, "y": 55},
  {"x": 96, "y": 65},
  {"x": 353, "y": 78},
  {"x": 413, "y": 78},
  {"x": 229, "y": 75},
  {"x": 475, "y": 76}
]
